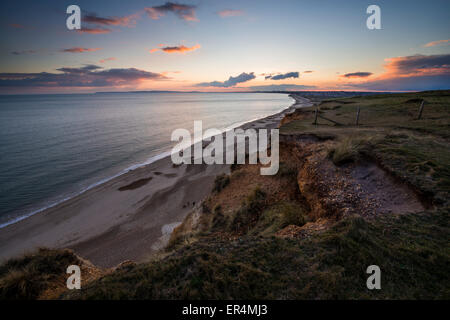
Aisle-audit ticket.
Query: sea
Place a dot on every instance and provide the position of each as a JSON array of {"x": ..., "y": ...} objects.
[{"x": 54, "y": 147}]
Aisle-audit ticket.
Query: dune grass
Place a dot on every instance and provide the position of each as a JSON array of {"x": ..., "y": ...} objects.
[
  {"x": 411, "y": 250},
  {"x": 28, "y": 277}
]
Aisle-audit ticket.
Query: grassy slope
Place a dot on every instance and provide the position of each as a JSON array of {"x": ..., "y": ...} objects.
[
  {"x": 30, "y": 276},
  {"x": 412, "y": 252},
  {"x": 237, "y": 255},
  {"x": 417, "y": 151}
]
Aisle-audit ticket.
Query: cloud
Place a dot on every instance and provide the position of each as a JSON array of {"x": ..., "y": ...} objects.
[
  {"x": 283, "y": 76},
  {"x": 126, "y": 21},
  {"x": 107, "y": 59},
  {"x": 438, "y": 42},
  {"x": 176, "y": 49},
  {"x": 231, "y": 82},
  {"x": 308, "y": 71},
  {"x": 183, "y": 11},
  {"x": 414, "y": 83},
  {"x": 230, "y": 13},
  {"x": 419, "y": 65},
  {"x": 86, "y": 76},
  {"x": 16, "y": 25},
  {"x": 23, "y": 52},
  {"x": 94, "y": 30},
  {"x": 358, "y": 74},
  {"x": 412, "y": 73},
  {"x": 80, "y": 70},
  {"x": 282, "y": 87},
  {"x": 79, "y": 50}
]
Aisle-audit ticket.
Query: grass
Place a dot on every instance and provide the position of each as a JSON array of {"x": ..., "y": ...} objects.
[
  {"x": 420, "y": 160},
  {"x": 28, "y": 277},
  {"x": 221, "y": 182},
  {"x": 349, "y": 149},
  {"x": 411, "y": 250},
  {"x": 416, "y": 151},
  {"x": 387, "y": 111},
  {"x": 248, "y": 214},
  {"x": 277, "y": 216}
]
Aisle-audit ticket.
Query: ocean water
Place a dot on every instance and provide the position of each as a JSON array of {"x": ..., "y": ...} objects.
[{"x": 52, "y": 147}]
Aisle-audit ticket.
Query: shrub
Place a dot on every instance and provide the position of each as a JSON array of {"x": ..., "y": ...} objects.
[
  {"x": 250, "y": 210},
  {"x": 221, "y": 182},
  {"x": 349, "y": 150},
  {"x": 29, "y": 276},
  {"x": 292, "y": 215}
]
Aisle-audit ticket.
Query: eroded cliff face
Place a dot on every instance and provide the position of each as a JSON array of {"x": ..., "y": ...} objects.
[
  {"x": 309, "y": 182},
  {"x": 361, "y": 188}
]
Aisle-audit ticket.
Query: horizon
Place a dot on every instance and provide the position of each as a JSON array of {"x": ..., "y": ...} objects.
[
  {"x": 235, "y": 46},
  {"x": 212, "y": 92}
]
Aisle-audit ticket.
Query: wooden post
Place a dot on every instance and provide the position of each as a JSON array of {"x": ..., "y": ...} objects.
[
  {"x": 357, "y": 116},
  {"x": 335, "y": 122},
  {"x": 421, "y": 109},
  {"x": 315, "y": 117}
]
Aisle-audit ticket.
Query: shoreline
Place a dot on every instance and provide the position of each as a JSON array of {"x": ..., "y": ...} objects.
[
  {"x": 130, "y": 168},
  {"x": 141, "y": 218}
]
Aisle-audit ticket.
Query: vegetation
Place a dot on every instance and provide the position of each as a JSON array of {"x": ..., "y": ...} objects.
[
  {"x": 415, "y": 151},
  {"x": 221, "y": 182},
  {"x": 412, "y": 250},
  {"x": 238, "y": 247},
  {"x": 29, "y": 276},
  {"x": 350, "y": 149}
]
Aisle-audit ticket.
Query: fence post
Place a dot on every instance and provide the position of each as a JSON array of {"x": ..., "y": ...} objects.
[
  {"x": 357, "y": 115},
  {"x": 421, "y": 109}
]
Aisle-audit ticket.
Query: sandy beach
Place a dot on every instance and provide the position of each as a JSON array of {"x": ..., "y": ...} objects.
[{"x": 127, "y": 218}]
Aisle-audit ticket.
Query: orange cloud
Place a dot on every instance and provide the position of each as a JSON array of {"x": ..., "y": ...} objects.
[
  {"x": 79, "y": 49},
  {"x": 107, "y": 59},
  {"x": 94, "y": 30},
  {"x": 177, "y": 49},
  {"x": 438, "y": 42},
  {"x": 411, "y": 73},
  {"x": 417, "y": 65}
]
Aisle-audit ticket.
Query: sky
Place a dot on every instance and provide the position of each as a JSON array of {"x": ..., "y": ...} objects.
[{"x": 218, "y": 45}]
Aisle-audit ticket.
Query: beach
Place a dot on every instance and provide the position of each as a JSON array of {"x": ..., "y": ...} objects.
[{"x": 129, "y": 217}]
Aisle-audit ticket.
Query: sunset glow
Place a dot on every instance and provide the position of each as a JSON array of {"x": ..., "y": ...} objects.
[{"x": 209, "y": 43}]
